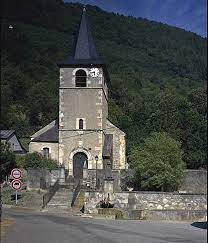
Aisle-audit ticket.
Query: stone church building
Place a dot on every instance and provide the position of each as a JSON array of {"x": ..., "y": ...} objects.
[{"x": 83, "y": 139}]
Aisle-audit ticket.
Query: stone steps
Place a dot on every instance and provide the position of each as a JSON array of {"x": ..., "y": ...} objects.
[
  {"x": 61, "y": 201},
  {"x": 60, "y": 197}
]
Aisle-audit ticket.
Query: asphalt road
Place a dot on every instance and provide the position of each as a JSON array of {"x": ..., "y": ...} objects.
[{"x": 33, "y": 227}]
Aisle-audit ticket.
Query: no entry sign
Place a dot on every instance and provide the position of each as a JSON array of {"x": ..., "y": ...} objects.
[
  {"x": 16, "y": 173},
  {"x": 16, "y": 184}
]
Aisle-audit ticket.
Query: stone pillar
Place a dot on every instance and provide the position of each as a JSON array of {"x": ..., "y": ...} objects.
[
  {"x": 108, "y": 185},
  {"x": 61, "y": 175},
  {"x": 85, "y": 173}
]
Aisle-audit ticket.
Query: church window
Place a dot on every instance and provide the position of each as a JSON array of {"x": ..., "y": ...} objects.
[
  {"x": 81, "y": 78},
  {"x": 81, "y": 124},
  {"x": 46, "y": 152}
]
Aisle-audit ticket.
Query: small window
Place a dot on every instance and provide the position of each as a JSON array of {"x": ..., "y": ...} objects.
[
  {"x": 46, "y": 152},
  {"x": 81, "y": 78},
  {"x": 81, "y": 124}
]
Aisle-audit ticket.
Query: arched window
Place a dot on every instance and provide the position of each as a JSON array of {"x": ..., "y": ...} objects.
[
  {"x": 81, "y": 124},
  {"x": 46, "y": 152},
  {"x": 81, "y": 78}
]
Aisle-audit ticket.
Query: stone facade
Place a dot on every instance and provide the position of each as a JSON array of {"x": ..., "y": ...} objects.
[
  {"x": 148, "y": 200},
  {"x": 119, "y": 146},
  {"x": 38, "y": 147}
]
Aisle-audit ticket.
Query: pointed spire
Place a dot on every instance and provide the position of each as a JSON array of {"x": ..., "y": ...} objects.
[
  {"x": 85, "y": 47},
  {"x": 84, "y": 51}
]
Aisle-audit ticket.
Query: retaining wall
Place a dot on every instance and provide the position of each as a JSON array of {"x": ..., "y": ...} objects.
[
  {"x": 149, "y": 200},
  {"x": 41, "y": 178}
]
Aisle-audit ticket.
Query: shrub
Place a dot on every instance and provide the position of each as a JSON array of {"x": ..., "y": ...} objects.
[
  {"x": 20, "y": 160},
  {"x": 158, "y": 163},
  {"x": 36, "y": 160},
  {"x": 7, "y": 159}
]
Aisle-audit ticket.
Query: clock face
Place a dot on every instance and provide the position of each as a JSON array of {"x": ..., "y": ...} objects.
[{"x": 94, "y": 72}]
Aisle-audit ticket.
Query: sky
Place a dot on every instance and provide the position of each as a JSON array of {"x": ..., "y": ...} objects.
[{"x": 186, "y": 14}]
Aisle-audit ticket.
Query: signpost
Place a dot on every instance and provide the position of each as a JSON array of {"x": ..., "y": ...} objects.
[{"x": 16, "y": 184}]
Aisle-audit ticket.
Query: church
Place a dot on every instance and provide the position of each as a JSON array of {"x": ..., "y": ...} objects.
[{"x": 82, "y": 138}]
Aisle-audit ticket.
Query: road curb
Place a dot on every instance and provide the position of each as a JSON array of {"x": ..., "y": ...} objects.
[{"x": 7, "y": 206}]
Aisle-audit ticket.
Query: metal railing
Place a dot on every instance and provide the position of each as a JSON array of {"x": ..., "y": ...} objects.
[
  {"x": 76, "y": 193},
  {"x": 48, "y": 195}
]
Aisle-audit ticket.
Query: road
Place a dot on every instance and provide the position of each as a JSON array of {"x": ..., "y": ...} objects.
[{"x": 37, "y": 227}]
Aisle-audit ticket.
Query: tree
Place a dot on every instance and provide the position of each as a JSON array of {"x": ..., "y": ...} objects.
[
  {"x": 7, "y": 158},
  {"x": 151, "y": 67},
  {"x": 158, "y": 163},
  {"x": 193, "y": 130},
  {"x": 37, "y": 160}
]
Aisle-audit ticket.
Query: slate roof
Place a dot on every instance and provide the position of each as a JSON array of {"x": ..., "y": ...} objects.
[
  {"x": 5, "y": 134},
  {"x": 108, "y": 146},
  {"x": 51, "y": 135},
  {"x": 84, "y": 51}
]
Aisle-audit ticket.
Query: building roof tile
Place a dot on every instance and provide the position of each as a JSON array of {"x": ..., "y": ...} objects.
[
  {"x": 50, "y": 135},
  {"x": 5, "y": 134}
]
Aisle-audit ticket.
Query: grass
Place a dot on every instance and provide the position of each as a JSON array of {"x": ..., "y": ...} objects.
[
  {"x": 31, "y": 199},
  {"x": 5, "y": 224}
]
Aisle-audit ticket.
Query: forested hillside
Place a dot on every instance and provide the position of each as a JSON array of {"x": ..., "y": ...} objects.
[{"x": 158, "y": 73}]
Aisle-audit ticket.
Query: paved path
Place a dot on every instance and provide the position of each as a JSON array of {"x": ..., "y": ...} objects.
[{"x": 34, "y": 227}]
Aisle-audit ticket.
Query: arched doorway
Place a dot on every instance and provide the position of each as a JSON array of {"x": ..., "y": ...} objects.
[{"x": 79, "y": 161}]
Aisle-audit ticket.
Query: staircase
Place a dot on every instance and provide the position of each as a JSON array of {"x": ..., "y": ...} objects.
[{"x": 61, "y": 201}]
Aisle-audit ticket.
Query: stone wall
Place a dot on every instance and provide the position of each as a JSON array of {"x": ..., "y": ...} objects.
[
  {"x": 149, "y": 200},
  {"x": 195, "y": 181},
  {"x": 91, "y": 179},
  {"x": 41, "y": 178}
]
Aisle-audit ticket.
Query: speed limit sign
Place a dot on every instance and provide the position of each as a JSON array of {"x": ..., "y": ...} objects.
[{"x": 16, "y": 184}]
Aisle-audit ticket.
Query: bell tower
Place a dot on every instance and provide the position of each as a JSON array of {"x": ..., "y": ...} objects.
[{"x": 83, "y": 108}]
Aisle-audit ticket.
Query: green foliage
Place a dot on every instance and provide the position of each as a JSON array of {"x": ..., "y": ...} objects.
[
  {"x": 20, "y": 160},
  {"x": 158, "y": 163},
  {"x": 36, "y": 160},
  {"x": 158, "y": 72},
  {"x": 25, "y": 143},
  {"x": 7, "y": 159}
]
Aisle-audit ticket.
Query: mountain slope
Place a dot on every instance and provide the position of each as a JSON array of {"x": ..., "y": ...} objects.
[{"x": 158, "y": 72}]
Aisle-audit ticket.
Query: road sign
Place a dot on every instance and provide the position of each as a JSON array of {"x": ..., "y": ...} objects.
[
  {"x": 16, "y": 184},
  {"x": 16, "y": 173}
]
